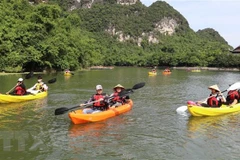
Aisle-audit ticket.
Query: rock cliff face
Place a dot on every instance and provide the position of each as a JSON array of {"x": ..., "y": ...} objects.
[
  {"x": 166, "y": 26},
  {"x": 88, "y": 3}
]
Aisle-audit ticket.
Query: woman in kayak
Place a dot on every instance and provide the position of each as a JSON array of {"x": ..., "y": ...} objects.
[
  {"x": 117, "y": 100},
  {"x": 40, "y": 86},
  {"x": 99, "y": 99},
  {"x": 233, "y": 97},
  {"x": 215, "y": 99}
]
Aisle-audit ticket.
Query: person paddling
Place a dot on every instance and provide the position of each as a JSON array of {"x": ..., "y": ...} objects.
[
  {"x": 40, "y": 86},
  {"x": 215, "y": 99},
  {"x": 100, "y": 105},
  {"x": 20, "y": 88},
  {"x": 233, "y": 97},
  {"x": 117, "y": 100}
]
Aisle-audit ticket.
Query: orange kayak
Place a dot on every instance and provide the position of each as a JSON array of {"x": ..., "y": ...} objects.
[
  {"x": 78, "y": 117},
  {"x": 166, "y": 73}
]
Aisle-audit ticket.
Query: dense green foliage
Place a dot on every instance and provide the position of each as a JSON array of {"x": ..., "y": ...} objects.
[{"x": 45, "y": 36}]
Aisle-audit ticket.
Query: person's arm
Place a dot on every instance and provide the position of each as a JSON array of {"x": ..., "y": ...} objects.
[
  {"x": 32, "y": 88},
  {"x": 222, "y": 98},
  {"x": 235, "y": 101}
]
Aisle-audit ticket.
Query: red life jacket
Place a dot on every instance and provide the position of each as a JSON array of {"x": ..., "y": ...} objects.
[
  {"x": 116, "y": 97},
  {"x": 97, "y": 97},
  {"x": 232, "y": 95},
  {"x": 19, "y": 90},
  {"x": 212, "y": 101}
]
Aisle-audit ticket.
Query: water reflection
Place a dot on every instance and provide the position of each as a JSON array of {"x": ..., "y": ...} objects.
[
  {"x": 16, "y": 113},
  {"x": 209, "y": 126}
]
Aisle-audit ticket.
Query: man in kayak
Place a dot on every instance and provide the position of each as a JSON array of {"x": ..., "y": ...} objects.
[
  {"x": 117, "y": 100},
  {"x": 215, "y": 99},
  {"x": 99, "y": 99},
  {"x": 20, "y": 88},
  {"x": 40, "y": 86}
]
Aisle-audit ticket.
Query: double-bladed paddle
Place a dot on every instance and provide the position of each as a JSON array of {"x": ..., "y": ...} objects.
[
  {"x": 131, "y": 90},
  {"x": 125, "y": 92}
]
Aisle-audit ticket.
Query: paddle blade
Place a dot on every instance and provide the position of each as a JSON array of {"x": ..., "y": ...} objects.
[
  {"x": 29, "y": 75},
  {"x": 234, "y": 86},
  {"x": 62, "y": 110},
  {"x": 52, "y": 80},
  {"x": 125, "y": 92},
  {"x": 139, "y": 85}
]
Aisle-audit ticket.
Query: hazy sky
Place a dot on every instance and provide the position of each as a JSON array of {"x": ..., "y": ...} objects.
[{"x": 221, "y": 15}]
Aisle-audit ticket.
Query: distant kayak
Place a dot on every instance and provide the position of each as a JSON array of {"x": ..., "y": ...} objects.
[
  {"x": 196, "y": 70},
  {"x": 166, "y": 72},
  {"x": 152, "y": 73},
  {"x": 67, "y": 74},
  {"x": 196, "y": 110},
  {"x": 78, "y": 117},
  {"x": 4, "y": 98}
]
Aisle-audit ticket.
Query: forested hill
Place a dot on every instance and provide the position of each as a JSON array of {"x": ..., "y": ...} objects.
[{"x": 61, "y": 34}]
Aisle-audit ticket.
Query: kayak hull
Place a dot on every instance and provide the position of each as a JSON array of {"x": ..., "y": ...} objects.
[
  {"x": 152, "y": 73},
  {"x": 195, "y": 110},
  {"x": 166, "y": 73},
  {"x": 14, "y": 99},
  {"x": 67, "y": 74},
  {"x": 78, "y": 117}
]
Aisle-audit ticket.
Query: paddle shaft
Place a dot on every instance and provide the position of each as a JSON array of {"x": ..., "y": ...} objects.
[{"x": 11, "y": 89}]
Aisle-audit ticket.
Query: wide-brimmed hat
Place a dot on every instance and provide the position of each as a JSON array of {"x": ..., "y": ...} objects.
[
  {"x": 119, "y": 86},
  {"x": 215, "y": 87}
]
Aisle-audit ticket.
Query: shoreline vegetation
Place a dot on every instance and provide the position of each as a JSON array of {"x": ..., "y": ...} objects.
[{"x": 112, "y": 67}]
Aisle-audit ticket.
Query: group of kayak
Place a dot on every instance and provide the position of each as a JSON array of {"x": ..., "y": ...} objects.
[
  {"x": 216, "y": 103},
  {"x": 154, "y": 72},
  {"x": 19, "y": 92}
]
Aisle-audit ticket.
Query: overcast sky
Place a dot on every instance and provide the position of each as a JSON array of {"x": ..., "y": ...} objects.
[{"x": 221, "y": 15}]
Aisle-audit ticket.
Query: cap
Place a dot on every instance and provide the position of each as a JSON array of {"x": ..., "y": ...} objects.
[
  {"x": 20, "y": 79},
  {"x": 215, "y": 87},
  {"x": 98, "y": 87}
]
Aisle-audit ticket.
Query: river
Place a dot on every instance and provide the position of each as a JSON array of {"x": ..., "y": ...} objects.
[{"x": 151, "y": 130}]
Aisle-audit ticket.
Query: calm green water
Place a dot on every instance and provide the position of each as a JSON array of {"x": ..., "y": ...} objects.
[{"x": 151, "y": 130}]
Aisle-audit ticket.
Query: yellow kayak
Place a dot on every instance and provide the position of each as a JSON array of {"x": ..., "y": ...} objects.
[
  {"x": 152, "y": 73},
  {"x": 195, "y": 110},
  {"x": 67, "y": 74},
  {"x": 196, "y": 70},
  {"x": 4, "y": 98}
]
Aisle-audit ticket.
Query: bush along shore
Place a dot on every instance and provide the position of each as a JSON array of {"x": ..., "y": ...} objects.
[{"x": 208, "y": 68}]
